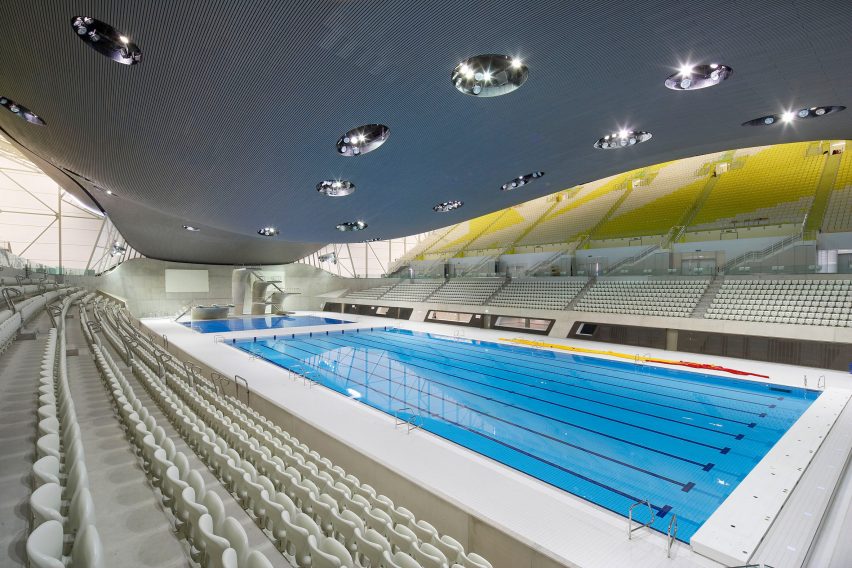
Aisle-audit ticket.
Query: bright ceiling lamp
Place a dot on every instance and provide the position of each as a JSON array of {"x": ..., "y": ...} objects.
[
  {"x": 789, "y": 116},
  {"x": 21, "y": 111},
  {"x": 267, "y": 231},
  {"x": 191, "y": 228},
  {"x": 489, "y": 75},
  {"x": 447, "y": 206},
  {"x": 520, "y": 181},
  {"x": 694, "y": 77},
  {"x": 106, "y": 40},
  {"x": 622, "y": 139},
  {"x": 352, "y": 226},
  {"x": 362, "y": 139},
  {"x": 336, "y": 188}
]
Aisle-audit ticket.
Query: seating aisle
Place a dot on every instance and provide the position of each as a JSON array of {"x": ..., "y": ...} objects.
[
  {"x": 19, "y": 381},
  {"x": 142, "y": 490},
  {"x": 133, "y": 527}
]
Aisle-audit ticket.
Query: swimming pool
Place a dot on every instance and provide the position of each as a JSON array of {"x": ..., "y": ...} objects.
[
  {"x": 258, "y": 322},
  {"x": 610, "y": 432}
]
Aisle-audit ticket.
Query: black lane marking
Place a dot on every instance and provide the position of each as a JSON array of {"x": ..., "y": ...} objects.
[
  {"x": 529, "y": 411},
  {"x": 469, "y": 380},
  {"x": 576, "y": 386},
  {"x": 530, "y": 354},
  {"x": 684, "y": 486},
  {"x": 539, "y": 356}
]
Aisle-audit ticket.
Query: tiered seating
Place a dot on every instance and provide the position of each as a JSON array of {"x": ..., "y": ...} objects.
[
  {"x": 510, "y": 227},
  {"x": 540, "y": 293},
  {"x": 413, "y": 291},
  {"x": 838, "y": 214},
  {"x": 199, "y": 516},
  {"x": 63, "y": 519},
  {"x": 316, "y": 513},
  {"x": 370, "y": 293},
  {"x": 668, "y": 298},
  {"x": 470, "y": 291},
  {"x": 804, "y": 302},
  {"x": 773, "y": 186},
  {"x": 579, "y": 213}
]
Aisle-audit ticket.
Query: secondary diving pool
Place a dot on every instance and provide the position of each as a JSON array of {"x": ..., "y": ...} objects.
[
  {"x": 610, "y": 432},
  {"x": 258, "y": 322}
]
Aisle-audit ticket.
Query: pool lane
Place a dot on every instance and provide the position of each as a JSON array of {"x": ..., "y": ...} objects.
[{"x": 573, "y": 422}]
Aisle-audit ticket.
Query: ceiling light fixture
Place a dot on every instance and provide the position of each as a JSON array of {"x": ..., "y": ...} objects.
[
  {"x": 489, "y": 75},
  {"x": 106, "y": 40},
  {"x": 447, "y": 206},
  {"x": 789, "y": 116},
  {"x": 20, "y": 111},
  {"x": 362, "y": 139},
  {"x": 336, "y": 188},
  {"x": 520, "y": 181},
  {"x": 622, "y": 139},
  {"x": 352, "y": 226},
  {"x": 191, "y": 228},
  {"x": 267, "y": 231},
  {"x": 694, "y": 77}
]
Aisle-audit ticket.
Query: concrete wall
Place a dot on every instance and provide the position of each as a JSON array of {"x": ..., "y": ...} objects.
[{"x": 142, "y": 284}]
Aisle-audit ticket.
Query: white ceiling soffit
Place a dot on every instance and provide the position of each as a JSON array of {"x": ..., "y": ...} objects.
[{"x": 231, "y": 117}]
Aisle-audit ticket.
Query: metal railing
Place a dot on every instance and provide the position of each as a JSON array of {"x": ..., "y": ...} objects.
[
  {"x": 671, "y": 535},
  {"x": 410, "y": 423},
  {"x": 759, "y": 254},
  {"x": 630, "y": 528}
]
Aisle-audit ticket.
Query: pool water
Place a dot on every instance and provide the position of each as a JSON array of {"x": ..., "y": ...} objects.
[
  {"x": 610, "y": 432},
  {"x": 258, "y": 322}
]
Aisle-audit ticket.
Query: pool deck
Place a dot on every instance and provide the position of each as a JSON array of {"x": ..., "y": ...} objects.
[{"x": 559, "y": 526}]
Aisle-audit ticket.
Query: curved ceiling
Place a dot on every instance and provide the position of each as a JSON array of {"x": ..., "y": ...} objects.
[{"x": 231, "y": 117}]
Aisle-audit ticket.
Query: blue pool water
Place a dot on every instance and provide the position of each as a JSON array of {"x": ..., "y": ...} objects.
[
  {"x": 258, "y": 322},
  {"x": 611, "y": 432}
]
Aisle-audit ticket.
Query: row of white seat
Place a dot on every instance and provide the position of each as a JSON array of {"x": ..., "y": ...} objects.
[
  {"x": 63, "y": 529},
  {"x": 12, "y": 321},
  {"x": 371, "y": 528},
  {"x": 216, "y": 539}
]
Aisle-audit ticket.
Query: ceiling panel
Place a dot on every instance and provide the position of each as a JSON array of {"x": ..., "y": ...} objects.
[{"x": 231, "y": 118}]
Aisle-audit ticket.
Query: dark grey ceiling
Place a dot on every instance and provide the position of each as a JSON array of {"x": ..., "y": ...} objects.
[{"x": 231, "y": 118}]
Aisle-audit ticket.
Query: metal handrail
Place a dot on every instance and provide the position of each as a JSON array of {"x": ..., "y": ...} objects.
[
  {"x": 410, "y": 423},
  {"x": 671, "y": 535},
  {"x": 237, "y": 380},
  {"x": 630, "y": 528},
  {"x": 8, "y": 294}
]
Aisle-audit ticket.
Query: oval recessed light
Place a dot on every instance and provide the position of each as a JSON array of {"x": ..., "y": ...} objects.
[
  {"x": 622, "y": 139},
  {"x": 374, "y": 239},
  {"x": 694, "y": 77},
  {"x": 336, "y": 188},
  {"x": 520, "y": 180},
  {"x": 106, "y": 40},
  {"x": 447, "y": 206},
  {"x": 362, "y": 140},
  {"x": 20, "y": 111},
  {"x": 790, "y": 116},
  {"x": 352, "y": 226},
  {"x": 267, "y": 231},
  {"x": 191, "y": 228},
  {"x": 489, "y": 75}
]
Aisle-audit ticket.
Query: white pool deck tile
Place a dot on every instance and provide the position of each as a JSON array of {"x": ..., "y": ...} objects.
[{"x": 569, "y": 529}]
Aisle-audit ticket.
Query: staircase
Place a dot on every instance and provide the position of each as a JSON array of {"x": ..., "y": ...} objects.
[
  {"x": 534, "y": 224},
  {"x": 610, "y": 212},
  {"x": 592, "y": 281},
  {"x": 497, "y": 291},
  {"x": 460, "y": 253},
  {"x": 708, "y": 296},
  {"x": 823, "y": 193},
  {"x": 549, "y": 260},
  {"x": 630, "y": 260},
  {"x": 761, "y": 254},
  {"x": 690, "y": 214}
]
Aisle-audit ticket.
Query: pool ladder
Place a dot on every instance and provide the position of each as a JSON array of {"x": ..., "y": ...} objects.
[
  {"x": 671, "y": 532},
  {"x": 412, "y": 423}
]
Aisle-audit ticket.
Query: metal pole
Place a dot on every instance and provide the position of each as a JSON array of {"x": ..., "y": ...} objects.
[{"x": 59, "y": 217}]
